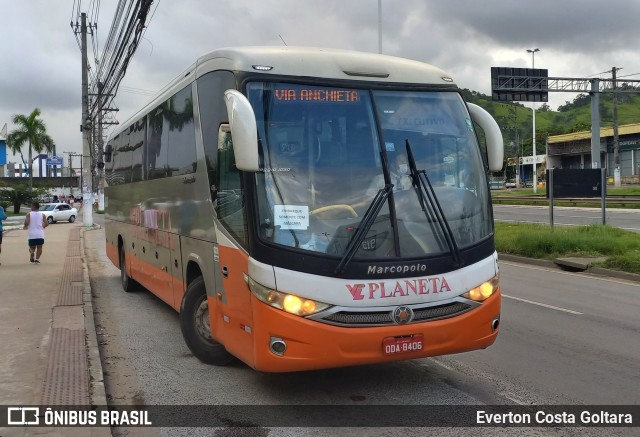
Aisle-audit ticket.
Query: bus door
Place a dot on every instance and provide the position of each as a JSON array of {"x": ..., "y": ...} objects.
[{"x": 234, "y": 316}]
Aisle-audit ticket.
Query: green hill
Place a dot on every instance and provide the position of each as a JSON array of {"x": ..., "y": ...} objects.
[{"x": 515, "y": 119}]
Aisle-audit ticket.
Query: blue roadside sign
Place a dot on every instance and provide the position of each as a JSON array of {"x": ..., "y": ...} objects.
[{"x": 54, "y": 160}]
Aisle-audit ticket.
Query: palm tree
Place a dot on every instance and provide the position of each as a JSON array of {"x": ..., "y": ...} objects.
[{"x": 31, "y": 130}]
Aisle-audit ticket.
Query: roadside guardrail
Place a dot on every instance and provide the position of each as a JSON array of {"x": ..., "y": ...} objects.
[{"x": 621, "y": 201}]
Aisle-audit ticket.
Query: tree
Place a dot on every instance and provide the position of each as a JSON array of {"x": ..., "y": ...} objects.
[
  {"x": 544, "y": 108},
  {"x": 20, "y": 195},
  {"x": 31, "y": 130}
]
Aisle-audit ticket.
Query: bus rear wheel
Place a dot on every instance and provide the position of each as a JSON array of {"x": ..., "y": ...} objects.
[
  {"x": 128, "y": 284},
  {"x": 195, "y": 324}
]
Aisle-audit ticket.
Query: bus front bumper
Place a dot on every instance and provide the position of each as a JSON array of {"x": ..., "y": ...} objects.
[{"x": 313, "y": 345}]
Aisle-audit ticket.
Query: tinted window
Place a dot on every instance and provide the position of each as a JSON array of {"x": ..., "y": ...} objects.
[
  {"x": 171, "y": 139},
  {"x": 182, "y": 138},
  {"x": 229, "y": 203},
  {"x": 127, "y": 153},
  {"x": 110, "y": 167},
  {"x": 157, "y": 143},
  {"x": 136, "y": 143},
  {"x": 121, "y": 160},
  {"x": 213, "y": 112}
]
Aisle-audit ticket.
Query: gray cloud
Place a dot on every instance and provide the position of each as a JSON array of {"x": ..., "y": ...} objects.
[{"x": 577, "y": 38}]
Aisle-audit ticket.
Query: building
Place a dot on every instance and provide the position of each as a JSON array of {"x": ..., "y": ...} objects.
[
  {"x": 574, "y": 151},
  {"x": 3, "y": 149}
]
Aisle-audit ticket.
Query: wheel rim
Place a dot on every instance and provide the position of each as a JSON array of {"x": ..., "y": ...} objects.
[{"x": 202, "y": 321}]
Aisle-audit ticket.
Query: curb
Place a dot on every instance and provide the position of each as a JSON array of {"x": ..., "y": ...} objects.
[
  {"x": 595, "y": 271},
  {"x": 525, "y": 260},
  {"x": 97, "y": 390}
]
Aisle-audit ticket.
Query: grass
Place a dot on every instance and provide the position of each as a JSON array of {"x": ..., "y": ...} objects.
[{"x": 622, "y": 248}]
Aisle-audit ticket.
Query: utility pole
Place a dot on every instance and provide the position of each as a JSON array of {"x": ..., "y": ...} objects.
[
  {"x": 71, "y": 155},
  {"x": 616, "y": 143},
  {"x": 533, "y": 104},
  {"x": 87, "y": 187},
  {"x": 513, "y": 120},
  {"x": 100, "y": 157}
]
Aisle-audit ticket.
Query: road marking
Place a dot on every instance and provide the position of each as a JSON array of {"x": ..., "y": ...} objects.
[{"x": 543, "y": 305}]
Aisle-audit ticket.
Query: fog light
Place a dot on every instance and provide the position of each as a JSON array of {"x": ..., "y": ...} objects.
[{"x": 277, "y": 346}]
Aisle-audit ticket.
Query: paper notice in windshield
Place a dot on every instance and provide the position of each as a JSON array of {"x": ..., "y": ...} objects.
[{"x": 291, "y": 216}]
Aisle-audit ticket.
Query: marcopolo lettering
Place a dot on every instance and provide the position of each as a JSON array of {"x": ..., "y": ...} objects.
[{"x": 413, "y": 268}]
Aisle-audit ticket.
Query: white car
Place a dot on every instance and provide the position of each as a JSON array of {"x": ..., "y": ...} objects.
[{"x": 55, "y": 212}]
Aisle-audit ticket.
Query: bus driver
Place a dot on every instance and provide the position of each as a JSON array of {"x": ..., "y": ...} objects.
[{"x": 399, "y": 177}]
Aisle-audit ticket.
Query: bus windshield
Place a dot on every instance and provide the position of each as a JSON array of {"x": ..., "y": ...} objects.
[{"x": 327, "y": 152}]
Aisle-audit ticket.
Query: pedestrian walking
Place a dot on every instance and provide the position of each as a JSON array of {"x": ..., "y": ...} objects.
[
  {"x": 3, "y": 216},
  {"x": 35, "y": 222}
]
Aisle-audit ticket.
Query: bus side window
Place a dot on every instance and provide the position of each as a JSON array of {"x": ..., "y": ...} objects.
[{"x": 229, "y": 201}]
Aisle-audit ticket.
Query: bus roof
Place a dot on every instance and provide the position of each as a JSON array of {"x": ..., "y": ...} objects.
[
  {"x": 309, "y": 62},
  {"x": 324, "y": 63}
]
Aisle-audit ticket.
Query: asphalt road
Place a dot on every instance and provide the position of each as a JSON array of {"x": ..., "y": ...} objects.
[
  {"x": 628, "y": 219},
  {"x": 571, "y": 338},
  {"x": 565, "y": 339}
]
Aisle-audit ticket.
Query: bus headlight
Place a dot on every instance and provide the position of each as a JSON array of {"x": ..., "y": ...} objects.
[
  {"x": 483, "y": 291},
  {"x": 290, "y": 303}
]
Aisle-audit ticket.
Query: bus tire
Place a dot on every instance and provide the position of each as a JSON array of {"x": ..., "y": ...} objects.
[
  {"x": 128, "y": 283},
  {"x": 195, "y": 324}
]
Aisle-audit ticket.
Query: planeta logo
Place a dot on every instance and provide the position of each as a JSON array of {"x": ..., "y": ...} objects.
[
  {"x": 402, "y": 315},
  {"x": 403, "y": 288}
]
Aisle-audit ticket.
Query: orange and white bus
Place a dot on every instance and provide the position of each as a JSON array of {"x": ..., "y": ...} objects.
[{"x": 307, "y": 208}]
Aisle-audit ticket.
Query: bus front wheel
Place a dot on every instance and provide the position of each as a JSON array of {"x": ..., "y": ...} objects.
[{"x": 195, "y": 324}]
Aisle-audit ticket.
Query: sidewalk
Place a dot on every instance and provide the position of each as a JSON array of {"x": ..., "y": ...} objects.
[{"x": 49, "y": 353}]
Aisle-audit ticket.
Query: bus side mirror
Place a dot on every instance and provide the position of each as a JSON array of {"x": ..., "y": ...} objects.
[
  {"x": 495, "y": 146},
  {"x": 108, "y": 150},
  {"x": 244, "y": 133}
]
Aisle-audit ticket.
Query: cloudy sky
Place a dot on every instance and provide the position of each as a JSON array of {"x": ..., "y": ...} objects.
[{"x": 40, "y": 57}]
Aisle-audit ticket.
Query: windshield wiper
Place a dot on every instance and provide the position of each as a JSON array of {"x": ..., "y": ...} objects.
[
  {"x": 431, "y": 206},
  {"x": 363, "y": 228}
]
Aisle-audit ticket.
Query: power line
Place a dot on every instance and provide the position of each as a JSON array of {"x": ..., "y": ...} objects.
[
  {"x": 627, "y": 75},
  {"x": 102, "y": 76},
  {"x": 139, "y": 91}
]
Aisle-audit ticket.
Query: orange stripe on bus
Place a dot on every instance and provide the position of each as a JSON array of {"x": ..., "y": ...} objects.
[
  {"x": 166, "y": 286},
  {"x": 233, "y": 320}
]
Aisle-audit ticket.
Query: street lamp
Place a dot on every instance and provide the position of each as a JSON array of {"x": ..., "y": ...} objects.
[{"x": 535, "y": 175}]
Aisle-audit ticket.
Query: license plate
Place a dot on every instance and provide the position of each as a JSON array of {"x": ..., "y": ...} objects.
[{"x": 404, "y": 344}]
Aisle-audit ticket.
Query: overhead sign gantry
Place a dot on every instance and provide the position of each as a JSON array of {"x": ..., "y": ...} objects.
[{"x": 533, "y": 85}]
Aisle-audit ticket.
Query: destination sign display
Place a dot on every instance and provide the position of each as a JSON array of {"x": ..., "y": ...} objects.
[{"x": 316, "y": 95}]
